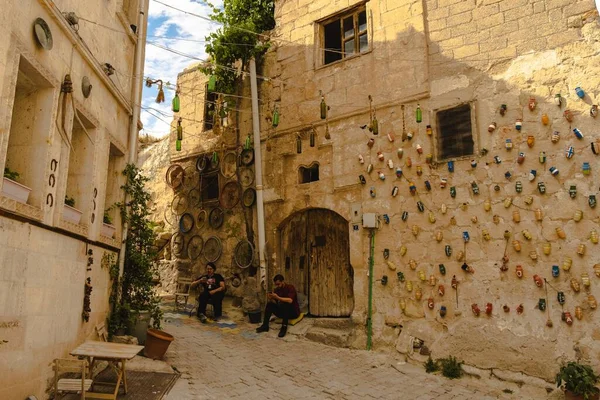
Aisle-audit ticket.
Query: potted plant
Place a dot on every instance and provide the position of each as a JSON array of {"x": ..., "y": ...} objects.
[
  {"x": 108, "y": 229},
  {"x": 133, "y": 299},
  {"x": 578, "y": 381},
  {"x": 13, "y": 189},
  {"x": 70, "y": 213}
]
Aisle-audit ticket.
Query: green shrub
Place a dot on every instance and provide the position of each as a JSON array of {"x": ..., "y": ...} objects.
[
  {"x": 579, "y": 379},
  {"x": 431, "y": 366},
  {"x": 451, "y": 367},
  {"x": 12, "y": 175}
]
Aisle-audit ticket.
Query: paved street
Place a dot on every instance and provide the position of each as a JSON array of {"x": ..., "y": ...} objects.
[{"x": 230, "y": 361}]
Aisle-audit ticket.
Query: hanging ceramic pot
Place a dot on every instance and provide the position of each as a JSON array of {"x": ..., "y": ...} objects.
[
  {"x": 585, "y": 168},
  {"x": 578, "y": 313},
  {"x": 516, "y": 216},
  {"x": 489, "y": 308},
  {"x": 508, "y": 144},
  {"x": 528, "y": 200},
  {"x": 432, "y": 218},
  {"x": 594, "y": 111},
  {"x": 518, "y": 187},
  {"x": 492, "y": 127},
  {"x": 568, "y": 114},
  {"x": 428, "y": 130},
  {"x": 486, "y": 234},
  {"x": 597, "y": 270},
  {"x": 507, "y": 202},
  {"x": 530, "y": 141},
  {"x": 418, "y": 293},
  {"x": 518, "y": 124},
  {"x": 558, "y": 100},
  {"x": 533, "y": 255},
  {"x": 520, "y": 309},
  {"x": 580, "y": 92},
  {"x": 432, "y": 280},
  {"x": 408, "y": 162},
  {"x": 412, "y": 264},
  {"x": 506, "y": 308},
  {"x": 475, "y": 309},
  {"x": 555, "y": 271},
  {"x": 592, "y": 302},
  {"x": 547, "y": 248},
  {"x": 555, "y": 137},
  {"x": 594, "y": 236},
  {"x": 422, "y": 276},
  {"x": 560, "y": 233},
  {"x": 402, "y": 304},
  {"x": 503, "y": 109},
  {"x": 526, "y": 234},
  {"x": 519, "y": 271},
  {"x": 454, "y": 283},
  {"x": 592, "y": 200},
  {"x": 516, "y": 245},
  {"x": 412, "y": 188},
  {"x": 578, "y": 215},
  {"x": 575, "y": 285},
  {"x": 403, "y": 250},
  {"x": 545, "y": 119},
  {"x": 442, "y": 269},
  {"x": 560, "y": 297},
  {"x": 539, "y": 282},
  {"x": 460, "y": 256},
  {"x": 567, "y": 263},
  {"x": 496, "y": 219},
  {"x": 441, "y": 290},
  {"x": 400, "y": 153},
  {"x": 532, "y": 103},
  {"x": 415, "y": 230},
  {"x": 585, "y": 280},
  {"x": 538, "y": 214},
  {"x": 400, "y": 276},
  {"x": 581, "y": 249},
  {"x": 443, "y": 311},
  {"x": 487, "y": 205},
  {"x": 430, "y": 303},
  {"x": 448, "y": 250},
  {"x": 371, "y": 142},
  {"x": 409, "y": 286},
  {"x": 566, "y": 316},
  {"x": 439, "y": 236},
  {"x": 542, "y": 304}
]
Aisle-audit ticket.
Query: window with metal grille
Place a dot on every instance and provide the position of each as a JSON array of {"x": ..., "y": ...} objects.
[
  {"x": 308, "y": 174},
  {"x": 455, "y": 133},
  {"x": 210, "y": 188},
  {"x": 345, "y": 35}
]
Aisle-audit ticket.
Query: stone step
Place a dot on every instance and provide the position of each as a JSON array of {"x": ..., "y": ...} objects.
[
  {"x": 334, "y": 323},
  {"x": 328, "y": 336}
]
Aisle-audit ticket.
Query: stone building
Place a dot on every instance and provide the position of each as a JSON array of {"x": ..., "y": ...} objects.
[
  {"x": 467, "y": 129},
  {"x": 63, "y": 139}
]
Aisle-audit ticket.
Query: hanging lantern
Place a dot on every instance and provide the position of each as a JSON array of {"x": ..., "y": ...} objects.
[
  {"x": 545, "y": 119},
  {"x": 555, "y": 137},
  {"x": 419, "y": 114},
  {"x": 573, "y": 191},
  {"x": 323, "y": 108},
  {"x": 475, "y": 309},
  {"x": 560, "y": 233},
  {"x": 275, "y": 120},
  {"x": 418, "y": 293},
  {"x": 592, "y": 302},
  {"x": 581, "y": 249},
  {"x": 594, "y": 236},
  {"x": 516, "y": 216},
  {"x": 516, "y": 245},
  {"x": 578, "y": 215},
  {"x": 567, "y": 263},
  {"x": 547, "y": 248},
  {"x": 299, "y": 145},
  {"x": 412, "y": 264},
  {"x": 175, "y": 104},
  {"x": 575, "y": 285},
  {"x": 312, "y": 138},
  {"x": 519, "y": 271},
  {"x": 585, "y": 280}
]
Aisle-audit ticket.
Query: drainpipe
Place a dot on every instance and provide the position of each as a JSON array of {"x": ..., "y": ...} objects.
[
  {"x": 136, "y": 95},
  {"x": 370, "y": 311},
  {"x": 260, "y": 208}
]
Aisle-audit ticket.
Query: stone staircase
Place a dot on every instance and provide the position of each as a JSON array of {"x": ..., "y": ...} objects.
[{"x": 335, "y": 332}]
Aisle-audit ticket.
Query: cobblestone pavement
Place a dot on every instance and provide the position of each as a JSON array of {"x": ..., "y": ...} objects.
[{"x": 230, "y": 361}]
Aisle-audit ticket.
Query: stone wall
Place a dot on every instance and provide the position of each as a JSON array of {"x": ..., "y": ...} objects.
[{"x": 43, "y": 261}]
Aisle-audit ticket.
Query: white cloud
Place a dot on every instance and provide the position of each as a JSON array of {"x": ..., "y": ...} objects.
[{"x": 169, "y": 25}]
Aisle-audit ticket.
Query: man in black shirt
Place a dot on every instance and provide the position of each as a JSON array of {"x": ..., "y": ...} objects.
[
  {"x": 283, "y": 302},
  {"x": 214, "y": 289}
]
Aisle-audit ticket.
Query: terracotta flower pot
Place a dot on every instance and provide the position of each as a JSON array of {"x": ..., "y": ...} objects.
[
  {"x": 571, "y": 396},
  {"x": 157, "y": 343}
]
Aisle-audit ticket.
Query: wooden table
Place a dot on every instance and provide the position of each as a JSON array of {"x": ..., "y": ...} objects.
[{"x": 115, "y": 354}]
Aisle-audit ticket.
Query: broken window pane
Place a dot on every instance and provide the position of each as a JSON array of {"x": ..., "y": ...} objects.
[
  {"x": 349, "y": 47},
  {"x": 333, "y": 41},
  {"x": 363, "y": 43}
]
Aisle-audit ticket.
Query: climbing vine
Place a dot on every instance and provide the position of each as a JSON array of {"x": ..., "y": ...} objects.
[
  {"x": 135, "y": 289},
  {"x": 237, "y": 39}
]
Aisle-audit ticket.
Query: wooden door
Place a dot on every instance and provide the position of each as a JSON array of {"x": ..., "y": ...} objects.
[{"x": 316, "y": 256}]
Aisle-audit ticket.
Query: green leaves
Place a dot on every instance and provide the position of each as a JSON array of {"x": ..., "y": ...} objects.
[{"x": 578, "y": 378}]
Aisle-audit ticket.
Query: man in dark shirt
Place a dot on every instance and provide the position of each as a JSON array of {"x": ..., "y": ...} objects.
[
  {"x": 214, "y": 289},
  {"x": 283, "y": 302}
]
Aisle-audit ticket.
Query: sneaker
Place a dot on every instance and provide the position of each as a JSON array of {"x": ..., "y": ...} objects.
[
  {"x": 282, "y": 331},
  {"x": 262, "y": 328},
  {"x": 202, "y": 318}
]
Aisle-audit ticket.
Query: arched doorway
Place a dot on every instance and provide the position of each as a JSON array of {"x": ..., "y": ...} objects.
[{"x": 315, "y": 253}]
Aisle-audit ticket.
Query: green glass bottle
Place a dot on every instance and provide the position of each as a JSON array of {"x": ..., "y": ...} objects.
[
  {"x": 275, "y": 117},
  {"x": 375, "y": 126},
  {"x": 312, "y": 138},
  {"x": 178, "y": 145},
  {"x": 247, "y": 143},
  {"x": 212, "y": 83},
  {"x": 215, "y": 158},
  {"x": 179, "y": 130},
  {"x": 175, "y": 104},
  {"x": 419, "y": 114},
  {"x": 323, "y": 108}
]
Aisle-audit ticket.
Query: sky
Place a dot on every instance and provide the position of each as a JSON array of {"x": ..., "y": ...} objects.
[{"x": 176, "y": 30}]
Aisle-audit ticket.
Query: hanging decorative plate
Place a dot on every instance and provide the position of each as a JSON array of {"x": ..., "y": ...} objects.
[
  {"x": 246, "y": 176},
  {"x": 186, "y": 223},
  {"x": 194, "y": 248},
  {"x": 216, "y": 218},
  {"x": 212, "y": 249},
  {"x": 42, "y": 33},
  {"x": 202, "y": 164},
  {"x": 249, "y": 197},
  {"x": 229, "y": 165},
  {"x": 243, "y": 254},
  {"x": 202, "y": 217},
  {"x": 86, "y": 87},
  {"x": 191, "y": 176},
  {"x": 174, "y": 176},
  {"x": 179, "y": 204},
  {"x": 230, "y": 195},
  {"x": 194, "y": 198},
  {"x": 177, "y": 244},
  {"x": 247, "y": 157}
]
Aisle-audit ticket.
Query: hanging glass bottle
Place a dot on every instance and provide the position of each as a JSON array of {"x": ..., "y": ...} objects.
[
  {"x": 298, "y": 145},
  {"x": 375, "y": 126},
  {"x": 212, "y": 83},
  {"x": 419, "y": 114},
  {"x": 275, "y": 121},
  {"x": 323, "y": 108},
  {"x": 312, "y": 138},
  {"x": 175, "y": 103},
  {"x": 178, "y": 145},
  {"x": 179, "y": 130}
]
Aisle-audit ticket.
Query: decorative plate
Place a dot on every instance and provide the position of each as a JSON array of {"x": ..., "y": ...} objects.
[{"x": 42, "y": 33}]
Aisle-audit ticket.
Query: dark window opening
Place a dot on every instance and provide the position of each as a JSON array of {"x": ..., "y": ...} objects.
[
  {"x": 301, "y": 262},
  {"x": 455, "y": 135},
  {"x": 309, "y": 174},
  {"x": 210, "y": 187},
  {"x": 345, "y": 36},
  {"x": 210, "y": 102},
  {"x": 288, "y": 263}
]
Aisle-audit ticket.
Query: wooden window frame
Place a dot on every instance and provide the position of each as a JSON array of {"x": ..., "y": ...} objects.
[
  {"x": 207, "y": 123},
  {"x": 353, "y": 11},
  {"x": 439, "y": 142}
]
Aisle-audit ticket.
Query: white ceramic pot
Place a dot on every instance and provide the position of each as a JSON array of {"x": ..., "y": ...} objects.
[
  {"x": 107, "y": 230},
  {"x": 71, "y": 214},
  {"x": 15, "y": 190}
]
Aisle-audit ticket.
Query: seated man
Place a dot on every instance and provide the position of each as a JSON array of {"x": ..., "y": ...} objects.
[
  {"x": 283, "y": 302},
  {"x": 214, "y": 289}
]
